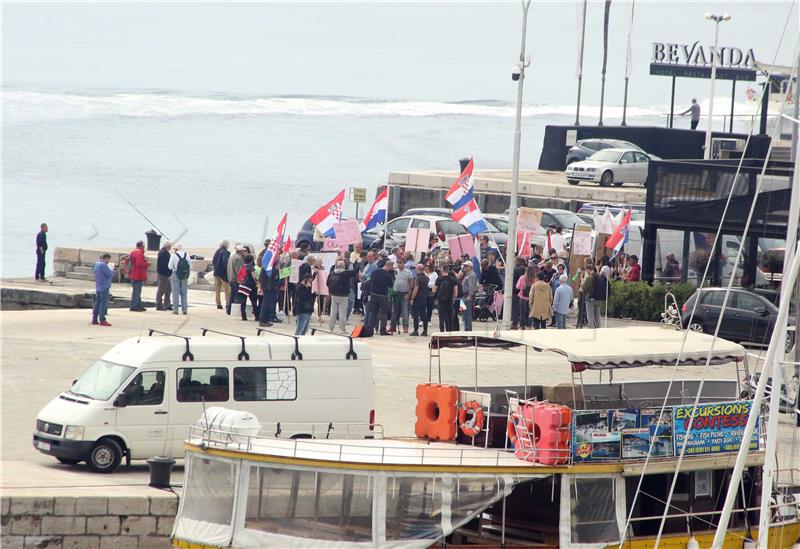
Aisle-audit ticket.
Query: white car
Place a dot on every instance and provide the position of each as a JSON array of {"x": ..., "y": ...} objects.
[{"x": 611, "y": 166}]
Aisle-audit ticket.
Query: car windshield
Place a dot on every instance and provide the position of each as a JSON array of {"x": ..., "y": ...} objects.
[
  {"x": 568, "y": 219},
  {"x": 101, "y": 380},
  {"x": 606, "y": 156},
  {"x": 500, "y": 224},
  {"x": 627, "y": 145}
]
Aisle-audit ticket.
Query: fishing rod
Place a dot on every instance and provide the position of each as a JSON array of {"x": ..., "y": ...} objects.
[{"x": 140, "y": 213}]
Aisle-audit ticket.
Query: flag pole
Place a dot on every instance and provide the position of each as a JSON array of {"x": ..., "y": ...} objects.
[
  {"x": 605, "y": 59},
  {"x": 628, "y": 60},
  {"x": 580, "y": 64},
  {"x": 512, "y": 210}
]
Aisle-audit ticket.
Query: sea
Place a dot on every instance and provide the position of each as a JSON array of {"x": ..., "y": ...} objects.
[{"x": 208, "y": 122}]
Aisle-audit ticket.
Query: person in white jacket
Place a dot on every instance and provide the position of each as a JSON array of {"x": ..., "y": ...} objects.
[{"x": 181, "y": 267}]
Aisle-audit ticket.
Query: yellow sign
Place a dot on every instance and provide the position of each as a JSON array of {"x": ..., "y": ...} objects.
[{"x": 358, "y": 194}]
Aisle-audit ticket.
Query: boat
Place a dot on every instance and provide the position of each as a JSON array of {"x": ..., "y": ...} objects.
[{"x": 582, "y": 465}]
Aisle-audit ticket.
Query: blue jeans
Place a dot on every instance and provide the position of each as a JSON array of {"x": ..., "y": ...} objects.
[
  {"x": 136, "y": 294},
  {"x": 270, "y": 302},
  {"x": 303, "y": 320},
  {"x": 100, "y": 305},
  {"x": 561, "y": 321},
  {"x": 180, "y": 292},
  {"x": 351, "y": 301},
  {"x": 400, "y": 310},
  {"x": 467, "y": 315}
]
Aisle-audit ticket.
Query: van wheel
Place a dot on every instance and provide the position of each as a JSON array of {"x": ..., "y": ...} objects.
[
  {"x": 607, "y": 178},
  {"x": 105, "y": 456},
  {"x": 68, "y": 461}
]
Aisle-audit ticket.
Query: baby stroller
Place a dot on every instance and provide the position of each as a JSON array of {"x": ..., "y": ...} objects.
[{"x": 483, "y": 309}]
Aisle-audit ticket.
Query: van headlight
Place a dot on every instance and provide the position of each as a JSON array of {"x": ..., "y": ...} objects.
[{"x": 73, "y": 432}]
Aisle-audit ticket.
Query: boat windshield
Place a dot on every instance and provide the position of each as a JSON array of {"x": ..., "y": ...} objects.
[
  {"x": 101, "y": 380},
  {"x": 606, "y": 156}
]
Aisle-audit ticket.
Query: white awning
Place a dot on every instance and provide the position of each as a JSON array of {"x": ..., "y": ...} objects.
[{"x": 607, "y": 348}]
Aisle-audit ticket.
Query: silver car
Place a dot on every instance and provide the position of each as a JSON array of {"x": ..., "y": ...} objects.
[{"x": 611, "y": 167}]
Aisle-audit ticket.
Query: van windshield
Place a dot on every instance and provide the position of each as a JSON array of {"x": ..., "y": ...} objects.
[{"x": 101, "y": 380}]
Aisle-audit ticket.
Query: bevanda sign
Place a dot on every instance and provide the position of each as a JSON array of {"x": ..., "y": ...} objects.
[{"x": 694, "y": 61}]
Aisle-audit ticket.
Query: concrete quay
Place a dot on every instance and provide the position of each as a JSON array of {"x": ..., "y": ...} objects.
[{"x": 47, "y": 504}]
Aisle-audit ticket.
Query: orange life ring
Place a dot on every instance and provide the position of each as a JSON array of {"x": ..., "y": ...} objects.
[
  {"x": 474, "y": 425},
  {"x": 511, "y": 431}
]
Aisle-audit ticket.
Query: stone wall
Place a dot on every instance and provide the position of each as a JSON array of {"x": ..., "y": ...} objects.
[{"x": 63, "y": 522}]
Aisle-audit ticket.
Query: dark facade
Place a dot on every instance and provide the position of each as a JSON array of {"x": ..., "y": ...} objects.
[{"x": 687, "y": 200}]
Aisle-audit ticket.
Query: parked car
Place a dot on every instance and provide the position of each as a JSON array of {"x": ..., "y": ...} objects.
[
  {"x": 441, "y": 212},
  {"x": 611, "y": 166},
  {"x": 585, "y": 148},
  {"x": 305, "y": 236},
  {"x": 394, "y": 232},
  {"x": 748, "y": 317}
]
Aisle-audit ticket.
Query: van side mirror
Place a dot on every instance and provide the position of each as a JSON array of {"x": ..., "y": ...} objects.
[{"x": 121, "y": 401}]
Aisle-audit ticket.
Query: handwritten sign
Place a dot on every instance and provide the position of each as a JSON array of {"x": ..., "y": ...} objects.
[
  {"x": 294, "y": 278},
  {"x": 347, "y": 232},
  {"x": 524, "y": 244},
  {"x": 529, "y": 219},
  {"x": 581, "y": 242},
  {"x": 319, "y": 285},
  {"x": 461, "y": 245},
  {"x": 285, "y": 272},
  {"x": 417, "y": 240}
]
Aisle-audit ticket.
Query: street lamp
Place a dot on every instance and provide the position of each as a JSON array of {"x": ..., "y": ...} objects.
[
  {"x": 517, "y": 75},
  {"x": 717, "y": 19}
]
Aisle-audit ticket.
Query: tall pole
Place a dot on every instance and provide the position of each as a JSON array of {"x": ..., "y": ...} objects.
[
  {"x": 508, "y": 283},
  {"x": 717, "y": 19},
  {"x": 606, "y": 14},
  {"x": 580, "y": 63},
  {"x": 628, "y": 63}
]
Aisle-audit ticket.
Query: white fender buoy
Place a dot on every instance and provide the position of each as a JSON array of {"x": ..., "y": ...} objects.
[{"x": 692, "y": 543}]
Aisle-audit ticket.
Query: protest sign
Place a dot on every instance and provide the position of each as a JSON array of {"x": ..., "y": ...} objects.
[
  {"x": 581, "y": 242},
  {"x": 319, "y": 285},
  {"x": 524, "y": 244},
  {"x": 417, "y": 240},
  {"x": 294, "y": 278},
  {"x": 285, "y": 272},
  {"x": 529, "y": 219},
  {"x": 461, "y": 245},
  {"x": 347, "y": 232}
]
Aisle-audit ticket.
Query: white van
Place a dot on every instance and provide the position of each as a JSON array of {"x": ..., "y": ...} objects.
[{"x": 140, "y": 398}]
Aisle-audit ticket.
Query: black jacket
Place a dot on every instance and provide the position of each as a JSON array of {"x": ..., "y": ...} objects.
[
  {"x": 380, "y": 282},
  {"x": 220, "y": 263},
  {"x": 41, "y": 241},
  {"x": 305, "y": 269},
  {"x": 444, "y": 287},
  {"x": 162, "y": 263},
  {"x": 303, "y": 300},
  {"x": 490, "y": 275},
  {"x": 339, "y": 283},
  {"x": 271, "y": 281}
]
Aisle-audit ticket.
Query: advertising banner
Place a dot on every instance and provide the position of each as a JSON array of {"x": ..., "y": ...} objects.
[{"x": 715, "y": 428}]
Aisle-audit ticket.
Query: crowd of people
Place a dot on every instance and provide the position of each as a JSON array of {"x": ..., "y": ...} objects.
[{"x": 394, "y": 291}]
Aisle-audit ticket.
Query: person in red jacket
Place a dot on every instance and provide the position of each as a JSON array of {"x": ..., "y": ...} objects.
[
  {"x": 137, "y": 273},
  {"x": 634, "y": 273}
]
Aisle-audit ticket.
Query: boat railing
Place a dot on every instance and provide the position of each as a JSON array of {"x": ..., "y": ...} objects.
[{"x": 287, "y": 431}]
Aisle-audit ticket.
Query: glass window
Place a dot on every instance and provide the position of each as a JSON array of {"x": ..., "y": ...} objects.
[
  {"x": 501, "y": 224},
  {"x": 641, "y": 157},
  {"x": 418, "y": 223},
  {"x": 450, "y": 227},
  {"x": 202, "y": 384},
  {"x": 715, "y": 299},
  {"x": 208, "y": 492},
  {"x": 101, "y": 380},
  {"x": 627, "y": 158},
  {"x": 592, "y": 145},
  {"x": 606, "y": 156},
  {"x": 670, "y": 263},
  {"x": 594, "y": 513},
  {"x": 398, "y": 226},
  {"x": 255, "y": 384},
  {"x": 309, "y": 504},
  {"x": 147, "y": 388},
  {"x": 746, "y": 302},
  {"x": 413, "y": 508}
]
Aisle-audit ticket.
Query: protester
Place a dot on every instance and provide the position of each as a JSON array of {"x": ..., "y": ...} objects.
[
  {"x": 557, "y": 241},
  {"x": 339, "y": 289},
  {"x": 469, "y": 287},
  {"x": 419, "y": 301},
  {"x": 541, "y": 302},
  {"x": 446, "y": 291},
  {"x": 137, "y": 265},
  {"x": 562, "y": 300},
  {"x": 554, "y": 283},
  {"x": 517, "y": 317},
  {"x": 303, "y": 305},
  {"x": 634, "y": 272},
  {"x": 220, "y": 264},
  {"x": 402, "y": 286},
  {"x": 380, "y": 284},
  {"x": 490, "y": 276},
  {"x": 235, "y": 262},
  {"x": 485, "y": 249},
  {"x": 103, "y": 275},
  {"x": 523, "y": 287},
  {"x": 672, "y": 270},
  {"x": 41, "y": 252},
  {"x": 587, "y": 289},
  {"x": 433, "y": 276},
  {"x": 367, "y": 270},
  {"x": 270, "y": 285},
  {"x": 248, "y": 289},
  {"x": 164, "y": 273},
  {"x": 181, "y": 267}
]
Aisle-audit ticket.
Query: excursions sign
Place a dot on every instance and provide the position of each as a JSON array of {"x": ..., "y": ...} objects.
[
  {"x": 694, "y": 61},
  {"x": 715, "y": 427}
]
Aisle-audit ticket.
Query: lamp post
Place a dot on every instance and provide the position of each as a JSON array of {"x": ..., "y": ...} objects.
[
  {"x": 717, "y": 19},
  {"x": 518, "y": 75}
]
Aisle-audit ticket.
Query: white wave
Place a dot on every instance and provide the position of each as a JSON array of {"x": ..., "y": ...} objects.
[{"x": 34, "y": 104}]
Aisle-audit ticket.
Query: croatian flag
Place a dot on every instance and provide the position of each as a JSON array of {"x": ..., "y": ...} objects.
[
  {"x": 470, "y": 216},
  {"x": 327, "y": 215},
  {"x": 275, "y": 246},
  {"x": 461, "y": 192},
  {"x": 377, "y": 212},
  {"x": 620, "y": 236}
]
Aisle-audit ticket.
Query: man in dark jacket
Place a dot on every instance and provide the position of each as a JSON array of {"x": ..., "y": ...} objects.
[
  {"x": 270, "y": 284},
  {"x": 41, "y": 250},
  {"x": 380, "y": 283},
  {"x": 220, "y": 263},
  {"x": 164, "y": 273},
  {"x": 519, "y": 271},
  {"x": 446, "y": 291}
]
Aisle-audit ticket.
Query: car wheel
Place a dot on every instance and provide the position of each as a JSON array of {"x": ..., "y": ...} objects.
[
  {"x": 105, "y": 456},
  {"x": 68, "y": 461},
  {"x": 618, "y": 183},
  {"x": 607, "y": 178},
  {"x": 696, "y": 326},
  {"x": 573, "y": 181}
]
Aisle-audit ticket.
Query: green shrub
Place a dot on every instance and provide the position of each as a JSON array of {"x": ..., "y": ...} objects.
[{"x": 641, "y": 301}]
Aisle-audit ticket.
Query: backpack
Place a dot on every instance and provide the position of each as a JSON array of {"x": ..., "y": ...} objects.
[
  {"x": 182, "y": 271},
  {"x": 241, "y": 275},
  {"x": 601, "y": 289}
]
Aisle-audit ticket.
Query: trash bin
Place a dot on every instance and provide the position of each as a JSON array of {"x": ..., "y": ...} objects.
[
  {"x": 160, "y": 471},
  {"x": 153, "y": 240}
]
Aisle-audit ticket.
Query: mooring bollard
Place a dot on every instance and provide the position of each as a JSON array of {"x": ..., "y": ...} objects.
[{"x": 160, "y": 471}]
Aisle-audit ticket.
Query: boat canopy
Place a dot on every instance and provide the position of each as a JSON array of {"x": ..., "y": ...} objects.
[{"x": 607, "y": 348}]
